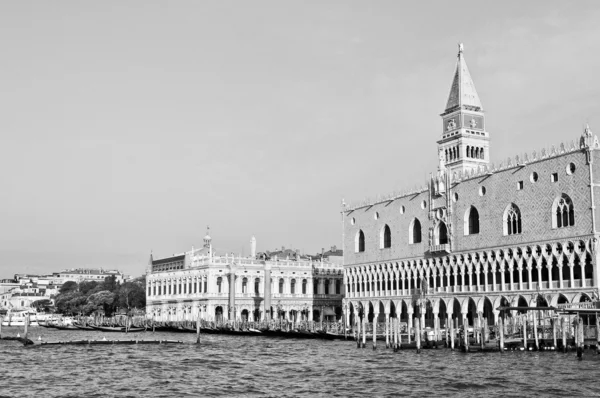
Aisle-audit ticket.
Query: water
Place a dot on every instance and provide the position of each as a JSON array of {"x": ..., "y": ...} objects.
[{"x": 257, "y": 366}]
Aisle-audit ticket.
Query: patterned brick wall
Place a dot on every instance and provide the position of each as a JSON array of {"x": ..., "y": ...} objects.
[{"x": 535, "y": 202}]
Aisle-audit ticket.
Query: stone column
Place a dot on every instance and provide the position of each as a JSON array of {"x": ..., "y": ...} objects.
[
  {"x": 231, "y": 293},
  {"x": 572, "y": 272},
  {"x": 410, "y": 321}
]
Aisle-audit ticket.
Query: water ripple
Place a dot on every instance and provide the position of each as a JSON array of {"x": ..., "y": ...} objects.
[{"x": 230, "y": 366}]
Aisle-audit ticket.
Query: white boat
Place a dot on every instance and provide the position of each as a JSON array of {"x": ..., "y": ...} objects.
[{"x": 17, "y": 318}]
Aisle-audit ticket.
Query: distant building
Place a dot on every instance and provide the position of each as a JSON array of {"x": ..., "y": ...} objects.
[{"x": 277, "y": 284}]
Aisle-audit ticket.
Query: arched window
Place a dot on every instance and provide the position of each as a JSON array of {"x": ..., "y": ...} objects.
[
  {"x": 385, "y": 239},
  {"x": 315, "y": 286},
  {"x": 563, "y": 212},
  {"x": 245, "y": 285},
  {"x": 219, "y": 284},
  {"x": 441, "y": 234},
  {"x": 281, "y": 286},
  {"x": 481, "y": 153},
  {"x": 468, "y": 151},
  {"x": 471, "y": 221},
  {"x": 293, "y": 286},
  {"x": 256, "y": 285},
  {"x": 304, "y": 286},
  {"x": 414, "y": 231},
  {"x": 359, "y": 242},
  {"x": 512, "y": 220},
  {"x": 338, "y": 286},
  {"x": 326, "y": 286}
]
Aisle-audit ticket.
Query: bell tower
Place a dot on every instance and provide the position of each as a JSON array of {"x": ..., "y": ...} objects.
[{"x": 465, "y": 142}]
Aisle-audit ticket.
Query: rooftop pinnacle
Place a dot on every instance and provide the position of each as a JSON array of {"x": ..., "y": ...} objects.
[{"x": 462, "y": 92}]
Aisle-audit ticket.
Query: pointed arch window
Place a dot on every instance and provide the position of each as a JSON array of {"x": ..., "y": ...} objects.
[
  {"x": 414, "y": 231},
  {"x": 441, "y": 234},
  {"x": 563, "y": 212},
  {"x": 471, "y": 221},
  {"x": 385, "y": 239},
  {"x": 512, "y": 220},
  {"x": 359, "y": 242}
]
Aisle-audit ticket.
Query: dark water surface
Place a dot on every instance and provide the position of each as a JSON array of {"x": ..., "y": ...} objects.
[{"x": 257, "y": 366}]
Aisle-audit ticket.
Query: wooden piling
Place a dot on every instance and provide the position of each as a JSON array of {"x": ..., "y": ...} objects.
[
  {"x": 564, "y": 333},
  {"x": 452, "y": 334},
  {"x": 198, "y": 329},
  {"x": 446, "y": 333},
  {"x": 417, "y": 335},
  {"x": 26, "y": 325},
  {"x": 375, "y": 331},
  {"x": 387, "y": 331},
  {"x": 535, "y": 334},
  {"x": 1, "y": 320},
  {"x": 525, "y": 331},
  {"x": 554, "y": 332},
  {"x": 466, "y": 329},
  {"x": 483, "y": 333},
  {"x": 501, "y": 333},
  {"x": 597, "y": 333},
  {"x": 364, "y": 336}
]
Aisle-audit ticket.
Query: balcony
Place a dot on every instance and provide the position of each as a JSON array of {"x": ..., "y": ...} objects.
[{"x": 440, "y": 248}]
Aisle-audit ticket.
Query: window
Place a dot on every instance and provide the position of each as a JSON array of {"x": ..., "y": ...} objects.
[
  {"x": 482, "y": 191},
  {"x": 376, "y": 216},
  {"x": 534, "y": 177},
  {"x": 519, "y": 185},
  {"x": 315, "y": 286},
  {"x": 385, "y": 237},
  {"x": 402, "y": 209},
  {"x": 304, "y": 286},
  {"x": 256, "y": 285},
  {"x": 338, "y": 286},
  {"x": 564, "y": 214},
  {"x": 414, "y": 234},
  {"x": 554, "y": 177},
  {"x": 245, "y": 285},
  {"x": 571, "y": 168},
  {"x": 359, "y": 242},
  {"x": 293, "y": 286},
  {"x": 512, "y": 220},
  {"x": 471, "y": 221},
  {"x": 281, "y": 286},
  {"x": 219, "y": 284},
  {"x": 326, "y": 286},
  {"x": 441, "y": 234}
]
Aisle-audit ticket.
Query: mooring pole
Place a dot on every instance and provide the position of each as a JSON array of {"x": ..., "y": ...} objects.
[
  {"x": 501, "y": 332},
  {"x": 2, "y": 320},
  {"x": 537, "y": 344},
  {"x": 198, "y": 327},
  {"x": 417, "y": 335},
  {"x": 452, "y": 334},
  {"x": 597, "y": 334},
  {"x": 26, "y": 326},
  {"x": 364, "y": 336},
  {"x": 525, "y": 332},
  {"x": 553, "y": 332},
  {"x": 564, "y": 334},
  {"x": 375, "y": 315},
  {"x": 357, "y": 331},
  {"x": 466, "y": 329}
]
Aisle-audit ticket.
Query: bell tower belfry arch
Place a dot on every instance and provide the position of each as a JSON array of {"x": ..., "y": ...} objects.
[{"x": 465, "y": 142}]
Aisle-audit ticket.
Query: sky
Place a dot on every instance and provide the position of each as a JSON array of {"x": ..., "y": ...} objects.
[{"x": 128, "y": 127}]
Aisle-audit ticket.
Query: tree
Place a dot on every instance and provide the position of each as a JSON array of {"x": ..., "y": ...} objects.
[
  {"x": 101, "y": 300},
  {"x": 86, "y": 287},
  {"x": 132, "y": 294},
  {"x": 68, "y": 287},
  {"x": 110, "y": 283}
]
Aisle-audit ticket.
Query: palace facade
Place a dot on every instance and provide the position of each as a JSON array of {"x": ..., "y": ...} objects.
[
  {"x": 227, "y": 287},
  {"x": 477, "y": 236}
]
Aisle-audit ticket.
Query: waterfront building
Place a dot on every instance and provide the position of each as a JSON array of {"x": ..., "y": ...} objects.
[
  {"x": 479, "y": 235},
  {"x": 216, "y": 287}
]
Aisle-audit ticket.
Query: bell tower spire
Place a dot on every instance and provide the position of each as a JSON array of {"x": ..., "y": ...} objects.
[{"x": 465, "y": 142}]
